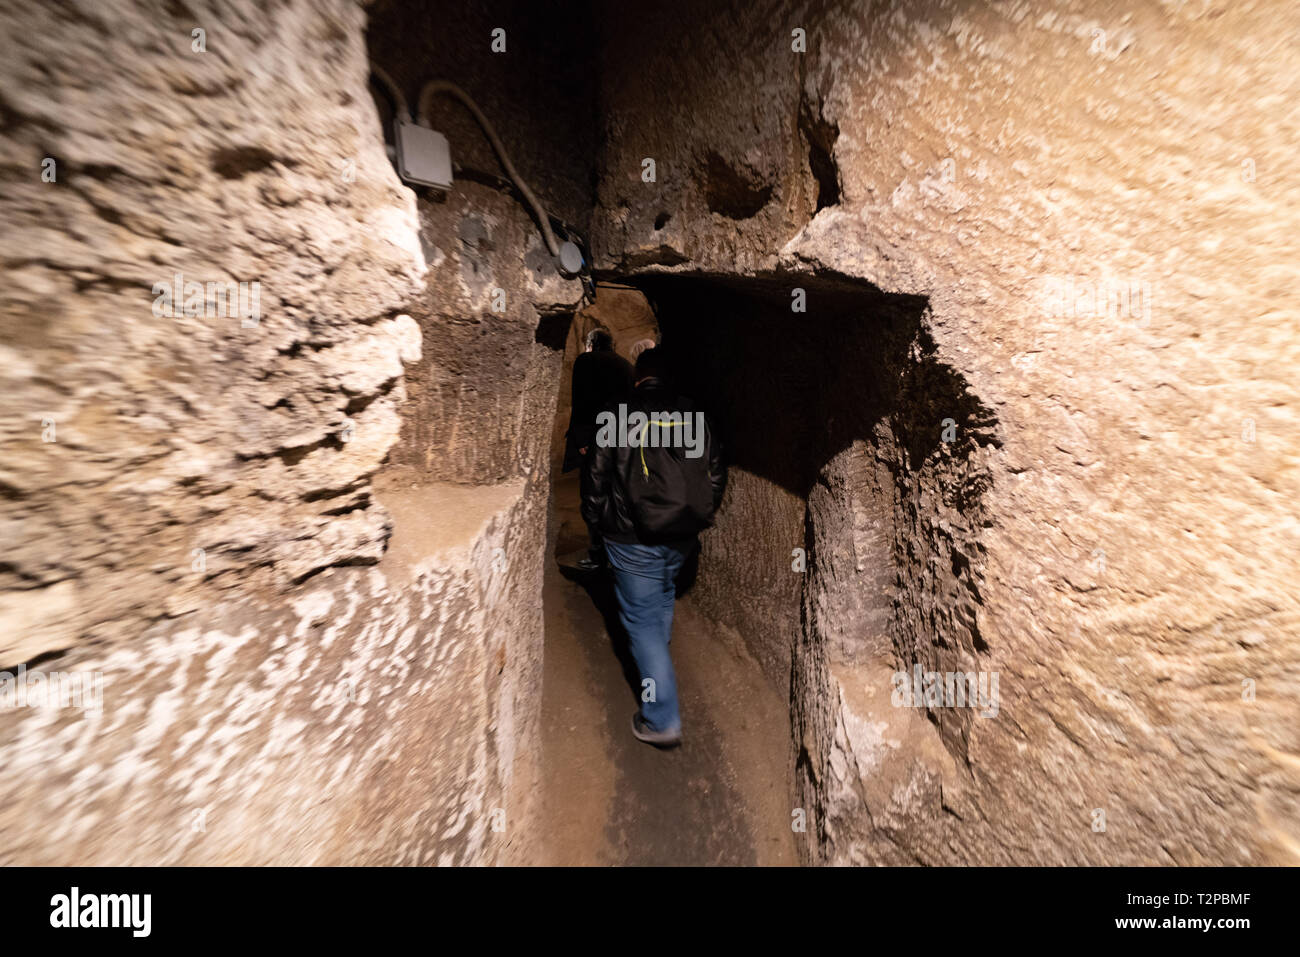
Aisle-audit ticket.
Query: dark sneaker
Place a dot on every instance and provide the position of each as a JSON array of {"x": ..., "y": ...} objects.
[
  {"x": 589, "y": 565},
  {"x": 660, "y": 739}
]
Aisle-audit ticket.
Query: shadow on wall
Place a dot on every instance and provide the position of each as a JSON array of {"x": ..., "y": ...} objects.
[{"x": 872, "y": 445}]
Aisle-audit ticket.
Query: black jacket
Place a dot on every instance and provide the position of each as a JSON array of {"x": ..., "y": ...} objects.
[
  {"x": 601, "y": 378},
  {"x": 654, "y": 494}
]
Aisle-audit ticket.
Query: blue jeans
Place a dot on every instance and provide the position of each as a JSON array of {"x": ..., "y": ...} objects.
[{"x": 645, "y": 584}]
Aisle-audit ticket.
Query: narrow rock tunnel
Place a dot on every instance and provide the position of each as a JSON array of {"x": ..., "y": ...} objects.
[
  {"x": 848, "y": 545},
  {"x": 849, "y": 549},
  {"x": 1003, "y": 569}
]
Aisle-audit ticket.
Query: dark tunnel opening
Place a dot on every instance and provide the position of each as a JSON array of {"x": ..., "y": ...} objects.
[
  {"x": 787, "y": 390},
  {"x": 848, "y": 438}
]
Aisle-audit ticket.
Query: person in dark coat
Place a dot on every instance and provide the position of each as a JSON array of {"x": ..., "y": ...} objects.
[
  {"x": 657, "y": 481},
  {"x": 601, "y": 380}
]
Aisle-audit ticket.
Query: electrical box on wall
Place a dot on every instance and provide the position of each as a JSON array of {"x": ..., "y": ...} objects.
[{"x": 423, "y": 156}]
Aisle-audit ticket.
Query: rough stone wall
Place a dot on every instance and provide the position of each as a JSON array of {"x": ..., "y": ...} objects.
[
  {"x": 257, "y": 161},
  {"x": 1134, "y": 550},
  {"x": 478, "y": 410},
  {"x": 481, "y": 398},
  {"x": 495, "y": 313},
  {"x": 263, "y": 701},
  {"x": 364, "y": 720}
]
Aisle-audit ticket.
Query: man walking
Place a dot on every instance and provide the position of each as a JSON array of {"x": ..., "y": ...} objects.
[
  {"x": 601, "y": 379},
  {"x": 656, "y": 480}
]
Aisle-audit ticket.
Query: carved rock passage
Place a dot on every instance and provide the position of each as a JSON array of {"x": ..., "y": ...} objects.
[
  {"x": 1135, "y": 552},
  {"x": 1109, "y": 527}
]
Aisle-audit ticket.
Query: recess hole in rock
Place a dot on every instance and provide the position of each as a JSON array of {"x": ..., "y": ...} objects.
[{"x": 731, "y": 192}]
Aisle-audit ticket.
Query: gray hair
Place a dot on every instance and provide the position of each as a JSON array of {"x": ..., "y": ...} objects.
[{"x": 640, "y": 346}]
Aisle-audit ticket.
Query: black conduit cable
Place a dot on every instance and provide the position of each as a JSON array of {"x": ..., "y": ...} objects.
[
  {"x": 400, "y": 109},
  {"x": 432, "y": 89},
  {"x": 562, "y": 228}
]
